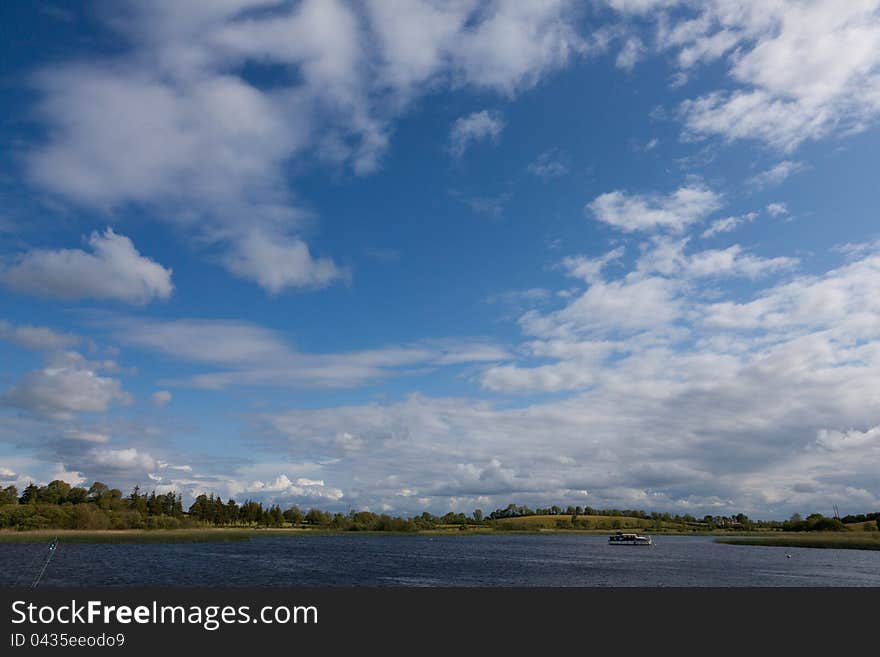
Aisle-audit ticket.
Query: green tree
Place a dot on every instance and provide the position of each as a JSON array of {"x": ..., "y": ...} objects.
[
  {"x": 30, "y": 494},
  {"x": 317, "y": 517},
  {"x": 9, "y": 495},
  {"x": 275, "y": 518},
  {"x": 78, "y": 495},
  {"x": 293, "y": 515},
  {"x": 55, "y": 492},
  {"x": 99, "y": 493},
  {"x": 231, "y": 510},
  {"x": 137, "y": 501}
]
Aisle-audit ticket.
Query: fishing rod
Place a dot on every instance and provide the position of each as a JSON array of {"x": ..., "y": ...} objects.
[{"x": 53, "y": 546}]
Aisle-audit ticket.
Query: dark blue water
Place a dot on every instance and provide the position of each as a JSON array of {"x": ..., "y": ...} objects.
[{"x": 392, "y": 560}]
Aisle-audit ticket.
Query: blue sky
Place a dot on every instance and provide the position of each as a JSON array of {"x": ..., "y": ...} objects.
[{"x": 444, "y": 255}]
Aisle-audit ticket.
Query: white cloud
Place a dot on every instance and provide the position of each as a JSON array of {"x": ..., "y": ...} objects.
[
  {"x": 282, "y": 487},
  {"x": 573, "y": 374},
  {"x": 853, "y": 439},
  {"x": 479, "y": 126},
  {"x": 777, "y": 209},
  {"x": 506, "y": 47},
  {"x": 85, "y": 435},
  {"x": 804, "y": 70},
  {"x": 649, "y": 306},
  {"x": 114, "y": 270},
  {"x": 161, "y": 398},
  {"x": 173, "y": 124},
  {"x": 170, "y": 466},
  {"x": 667, "y": 256},
  {"x": 72, "y": 477},
  {"x": 549, "y": 164},
  {"x": 711, "y": 443},
  {"x": 845, "y": 299},
  {"x": 765, "y": 406},
  {"x": 640, "y": 212},
  {"x": 68, "y": 384},
  {"x": 728, "y": 224},
  {"x": 589, "y": 269},
  {"x": 36, "y": 337},
  {"x": 629, "y": 304},
  {"x": 128, "y": 459},
  {"x": 242, "y": 353},
  {"x": 278, "y": 263},
  {"x": 630, "y": 54},
  {"x": 776, "y": 174}
]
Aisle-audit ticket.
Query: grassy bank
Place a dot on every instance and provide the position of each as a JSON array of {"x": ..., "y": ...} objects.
[
  {"x": 826, "y": 540},
  {"x": 220, "y": 534},
  {"x": 198, "y": 535},
  {"x": 139, "y": 535},
  {"x": 599, "y": 523}
]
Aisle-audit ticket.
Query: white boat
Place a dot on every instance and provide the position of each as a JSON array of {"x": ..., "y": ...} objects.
[{"x": 629, "y": 539}]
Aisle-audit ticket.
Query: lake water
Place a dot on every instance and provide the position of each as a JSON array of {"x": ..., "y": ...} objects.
[{"x": 394, "y": 560}]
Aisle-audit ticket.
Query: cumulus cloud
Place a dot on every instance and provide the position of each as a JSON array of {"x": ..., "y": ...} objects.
[
  {"x": 127, "y": 459},
  {"x": 745, "y": 407},
  {"x": 842, "y": 299},
  {"x": 673, "y": 212},
  {"x": 67, "y": 385},
  {"x": 173, "y": 123},
  {"x": 279, "y": 263},
  {"x": 479, "y": 126},
  {"x": 114, "y": 270},
  {"x": 589, "y": 269},
  {"x": 628, "y": 304},
  {"x": 72, "y": 477},
  {"x": 800, "y": 70},
  {"x": 667, "y": 256},
  {"x": 777, "y": 209},
  {"x": 283, "y": 488},
  {"x": 852, "y": 439}
]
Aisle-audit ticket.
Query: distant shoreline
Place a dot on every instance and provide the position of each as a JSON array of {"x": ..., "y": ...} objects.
[
  {"x": 222, "y": 534},
  {"x": 827, "y": 541},
  {"x": 863, "y": 541}
]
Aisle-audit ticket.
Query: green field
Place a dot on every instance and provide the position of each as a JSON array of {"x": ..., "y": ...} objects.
[
  {"x": 140, "y": 535},
  {"x": 546, "y": 524},
  {"x": 868, "y": 526},
  {"x": 603, "y": 524},
  {"x": 827, "y": 540},
  {"x": 585, "y": 522}
]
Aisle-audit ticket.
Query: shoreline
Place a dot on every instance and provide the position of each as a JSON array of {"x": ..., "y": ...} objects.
[
  {"x": 825, "y": 541},
  {"x": 226, "y": 534}
]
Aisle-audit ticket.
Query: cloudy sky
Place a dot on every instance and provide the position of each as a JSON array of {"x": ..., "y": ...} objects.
[{"x": 445, "y": 255}]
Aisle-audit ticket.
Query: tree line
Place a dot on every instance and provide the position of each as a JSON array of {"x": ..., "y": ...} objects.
[{"x": 59, "y": 505}]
